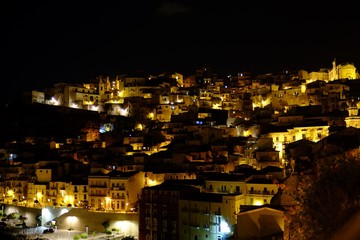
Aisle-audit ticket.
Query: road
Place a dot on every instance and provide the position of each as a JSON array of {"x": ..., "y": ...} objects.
[{"x": 63, "y": 234}]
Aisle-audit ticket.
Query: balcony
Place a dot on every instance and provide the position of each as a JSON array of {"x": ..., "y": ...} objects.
[
  {"x": 258, "y": 192},
  {"x": 99, "y": 186},
  {"x": 98, "y": 195},
  {"x": 118, "y": 197}
]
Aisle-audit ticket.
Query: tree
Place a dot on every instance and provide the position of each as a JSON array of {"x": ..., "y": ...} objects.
[
  {"x": 129, "y": 238},
  {"x": 328, "y": 199},
  {"x": 106, "y": 225}
]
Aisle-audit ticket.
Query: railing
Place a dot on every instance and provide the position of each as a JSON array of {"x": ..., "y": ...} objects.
[
  {"x": 98, "y": 194},
  {"x": 98, "y": 186},
  {"x": 118, "y": 197},
  {"x": 261, "y": 192}
]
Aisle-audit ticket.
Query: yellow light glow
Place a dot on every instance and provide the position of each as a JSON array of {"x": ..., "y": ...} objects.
[
  {"x": 257, "y": 203},
  {"x": 53, "y": 101},
  {"x": 151, "y": 182},
  {"x": 38, "y": 195},
  {"x": 10, "y": 193},
  {"x": 124, "y": 112},
  {"x": 139, "y": 127},
  {"x": 74, "y": 105},
  {"x": 151, "y": 116}
]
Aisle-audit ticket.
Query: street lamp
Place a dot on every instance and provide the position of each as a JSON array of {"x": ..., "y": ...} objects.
[{"x": 108, "y": 202}]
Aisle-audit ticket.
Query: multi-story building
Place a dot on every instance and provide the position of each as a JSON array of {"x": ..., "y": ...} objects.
[
  {"x": 98, "y": 190},
  {"x": 159, "y": 208},
  {"x": 282, "y": 135},
  {"x": 116, "y": 191},
  {"x": 260, "y": 190},
  {"x": 225, "y": 183},
  {"x": 15, "y": 189},
  {"x": 208, "y": 215},
  {"x": 76, "y": 96},
  {"x": 36, "y": 193}
]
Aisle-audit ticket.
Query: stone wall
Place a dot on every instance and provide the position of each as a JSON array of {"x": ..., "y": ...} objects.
[
  {"x": 29, "y": 213},
  {"x": 78, "y": 219}
]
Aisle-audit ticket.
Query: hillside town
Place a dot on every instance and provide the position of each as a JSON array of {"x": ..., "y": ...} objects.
[{"x": 169, "y": 156}]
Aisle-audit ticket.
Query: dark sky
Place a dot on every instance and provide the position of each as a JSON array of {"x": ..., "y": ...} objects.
[{"x": 44, "y": 42}]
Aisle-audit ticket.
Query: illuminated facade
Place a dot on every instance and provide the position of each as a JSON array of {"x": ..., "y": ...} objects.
[
  {"x": 14, "y": 190},
  {"x": 76, "y": 96},
  {"x": 353, "y": 120},
  {"x": 291, "y": 134},
  {"x": 116, "y": 191},
  {"x": 342, "y": 71},
  {"x": 36, "y": 193},
  {"x": 44, "y": 175},
  {"x": 208, "y": 215},
  {"x": 260, "y": 190},
  {"x": 289, "y": 97}
]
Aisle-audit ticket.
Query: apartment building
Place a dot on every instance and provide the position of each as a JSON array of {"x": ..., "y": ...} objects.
[
  {"x": 115, "y": 191},
  {"x": 159, "y": 207}
]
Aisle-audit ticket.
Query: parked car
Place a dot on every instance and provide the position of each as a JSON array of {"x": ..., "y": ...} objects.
[{"x": 48, "y": 230}]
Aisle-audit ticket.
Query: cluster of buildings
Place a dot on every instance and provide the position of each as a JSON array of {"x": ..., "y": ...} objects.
[{"x": 197, "y": 157}]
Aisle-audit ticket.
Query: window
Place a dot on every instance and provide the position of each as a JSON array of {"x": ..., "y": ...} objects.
[{"x": 218, "y": 223}]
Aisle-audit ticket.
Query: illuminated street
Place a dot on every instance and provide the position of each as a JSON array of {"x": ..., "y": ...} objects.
[{"x": 60, "y": 234}]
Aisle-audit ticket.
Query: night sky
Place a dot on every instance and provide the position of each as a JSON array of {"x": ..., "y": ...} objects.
[{"x": 45, "y": 42}]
